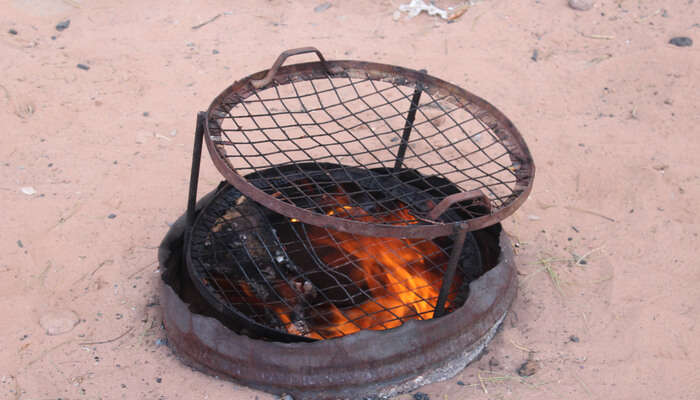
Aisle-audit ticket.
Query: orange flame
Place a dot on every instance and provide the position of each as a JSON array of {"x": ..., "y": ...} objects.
[
  {"x": 399, "y": 274},
  {"x": 396, "y": 279}
]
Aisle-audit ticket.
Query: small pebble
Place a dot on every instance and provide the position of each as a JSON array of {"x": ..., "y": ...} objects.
[
  {"x": 83, "y": 67},
  {"x": 20, "y": 244},
  {"x": 53, "y": 37},
  {"x": 681, "y": 41},
  {"x": 535, "y": 55},
  {"x": 420, "y": 396},
  {"x": 528, "y": 368},
  {"x": 533, "y": 218},
  {"x": 12, "y": 32},
  {"x": 460, "y": 383},
  {"x": 215, "y": 51},
  {"x": 146, "y": 114},
  {"x": 28, "y": 190},
  {"x": 322, "y": 7},
  {"x": 58, "y": 322},
  {"x": 574, "y": 338},
  {"x": 159, "y": 380},
  {"x": 112, "y": 216},
  {"x": 581, "y": 5},
  {"x": 63, "y": 25}
]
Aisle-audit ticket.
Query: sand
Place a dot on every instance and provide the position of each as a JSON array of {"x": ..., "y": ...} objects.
[{"x": 609, "y": 109}]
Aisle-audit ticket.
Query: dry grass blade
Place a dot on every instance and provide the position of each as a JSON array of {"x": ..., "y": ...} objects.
[
  {"x": 481, "y": 381},
  {"x": 108, "y": 340},
  {"x": 520, "y": 347},
  {"x": 597, "y": 214},
  {"x": 583, "y": 257}
]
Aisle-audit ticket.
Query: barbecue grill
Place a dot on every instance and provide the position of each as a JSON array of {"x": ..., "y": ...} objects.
[{"x": 357, "y": 197}]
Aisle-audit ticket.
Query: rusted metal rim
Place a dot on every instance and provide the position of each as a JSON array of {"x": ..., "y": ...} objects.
[
  {"x": 368, "y": 363},
  {"x": 502, "y": 127}
]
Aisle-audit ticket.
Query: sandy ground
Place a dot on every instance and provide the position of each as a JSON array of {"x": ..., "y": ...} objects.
[{"x": 609, "y": 109}]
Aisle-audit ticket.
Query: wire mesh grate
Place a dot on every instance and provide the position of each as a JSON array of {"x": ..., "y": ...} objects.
[
  {"x": 354, "y": 118},
  {"x": 308, "y": 281}
]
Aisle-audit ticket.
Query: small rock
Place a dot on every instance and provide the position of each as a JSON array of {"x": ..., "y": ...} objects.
[
  {"x": 159, "y": 380},
  {"x": 12, "y": 32},
  {"x": 215, "y": 51},
  {"x": 322, "y": 7},
  {"x": 83, "y": 67},
  {"x": 161, "y": 342},
  {"x": 112, "y": 216},
  {"x": 460, "y": 383},
  {"x": 28, "y": 190},
  {"x": 574, "y": 338},
  {"x": 581, "y": 5},
  {"x": 535, "y": 55},
  {"x": 396, "y": 16},
  {"x": 420, "y": 396},
  {"x": 20, "y": 244},
  {"x": 493, "y": 363},
  {"x": 528, "y": 368},
  {"x": 173, "y": 133},
  {"x": 681, "y": 41},
  {"x": 533, "y": 217},
  {"x": 63, "y": 25},
  {"x": 59, "y": 321},
  {"x": 146, "y": 114}
]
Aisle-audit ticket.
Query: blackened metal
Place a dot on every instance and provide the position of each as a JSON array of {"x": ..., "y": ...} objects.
[
  {"x": 345, "y": 113},
  {"x": 194, "y": 172},
  {"x": 362, "y": 365},
  {"x": 448, "y": 278},
  {"x": 410, "y": 118},
  {"x": 238, "y": 249}
]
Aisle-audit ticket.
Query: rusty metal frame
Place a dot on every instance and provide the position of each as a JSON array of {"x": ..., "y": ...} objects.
[
  {"x": 502, "y": 127},
  {"x": 365, "y": 364}
]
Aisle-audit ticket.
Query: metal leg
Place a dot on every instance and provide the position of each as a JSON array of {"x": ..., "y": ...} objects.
[
  {"x": 409, "y": 124},
  {"x": 194, "y": 173},
  {"x": 450, "y": 273}
]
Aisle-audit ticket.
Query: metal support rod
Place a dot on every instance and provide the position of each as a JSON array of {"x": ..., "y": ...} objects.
[
  {"x": 194, "y": 172},
  {"x": 409, "y": 124},
  {"x": 450, "y": 273}
]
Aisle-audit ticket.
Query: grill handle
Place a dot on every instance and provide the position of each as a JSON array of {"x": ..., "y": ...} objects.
[
  {"x": 258, "y": 83},
  {"x": 476, "y": 196}
]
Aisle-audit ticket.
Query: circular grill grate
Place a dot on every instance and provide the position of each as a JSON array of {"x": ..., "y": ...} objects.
[
  {"x": 286, "y": 280},
  {"x": 343, "y": 115}
]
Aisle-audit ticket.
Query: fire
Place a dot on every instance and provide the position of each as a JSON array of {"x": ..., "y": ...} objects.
[
  {"x": 402, "y": 276},
  {"x": 386, "y": 280}
]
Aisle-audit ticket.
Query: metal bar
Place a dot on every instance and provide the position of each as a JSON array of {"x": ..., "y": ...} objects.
[
  {"x": 194, "y": 172},
  {"x": 409, "y": 124},
  {"x": 450, "y": 273}
]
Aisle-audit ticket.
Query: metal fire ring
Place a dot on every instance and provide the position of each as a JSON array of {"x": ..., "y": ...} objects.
[
  {"x": 376, "y": 364},
  {"x": 376, "y": 116}
]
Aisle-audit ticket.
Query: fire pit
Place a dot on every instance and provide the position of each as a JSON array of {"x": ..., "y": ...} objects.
[{"x": 354, "y": 249}]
